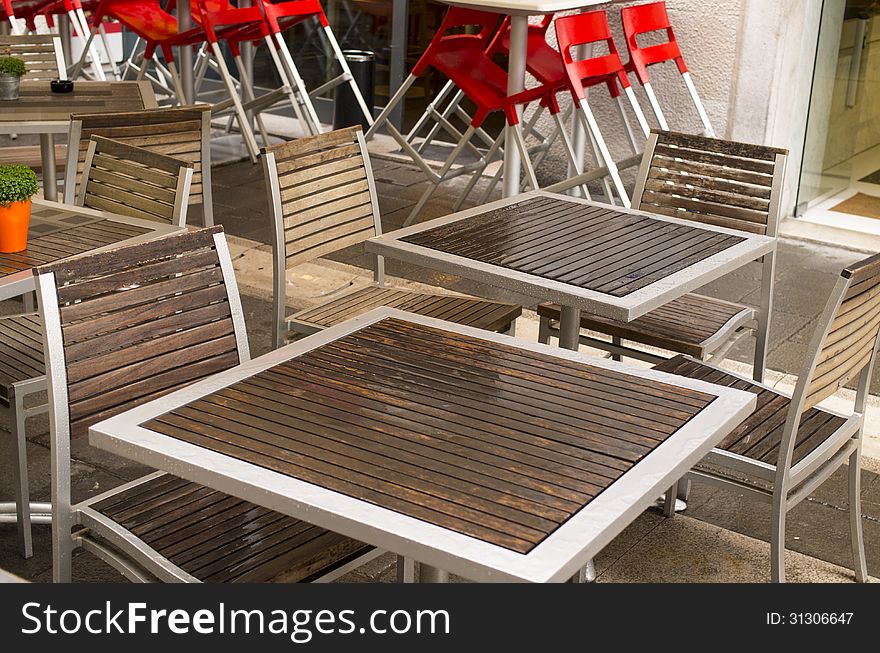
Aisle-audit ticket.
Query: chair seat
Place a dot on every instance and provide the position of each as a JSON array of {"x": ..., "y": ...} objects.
[
  {"x": 492, "y": 316},
  {"x": 693, "y": 324},
  {"x": 758, "y": 437},
  {"x": 218, "y": 538},
  {"x": 21, "y": 350}
]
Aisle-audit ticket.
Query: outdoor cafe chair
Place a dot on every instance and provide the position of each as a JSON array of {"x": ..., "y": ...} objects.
[
  {"x": 323, "y": 198},
  {"x": 651, "y": 18},
  {"x": 789, "y": 446},
  {"x": 591, "y": 28},
  {"x": 702, "y": 180},
  {"x": 41, "y": 53},
  {"x": 119, "y": 178},
  {"x": 129, "y": 325},
  {"x": 181, "y": 132}
]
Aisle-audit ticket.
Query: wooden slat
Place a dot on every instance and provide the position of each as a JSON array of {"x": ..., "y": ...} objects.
[
  {"x": 590, "y": 247},
  {"x": 218, "y": 538}
]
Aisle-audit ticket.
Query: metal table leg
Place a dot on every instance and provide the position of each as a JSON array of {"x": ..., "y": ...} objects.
[
  {"x": 570, "y": 328},
  {"x": 184, "y": 23},
  {"x": 428, "y": 574},
  {"x": 516, "y": 80},
  {"x": 50, "y": 175}
]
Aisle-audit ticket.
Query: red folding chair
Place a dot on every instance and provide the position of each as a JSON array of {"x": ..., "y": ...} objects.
[
  {"x": 583, "y": 30},
  {"x": 653, "y": 17},
  {"x": 281, "y": 15},
  {"x": 29, "y": 10},
  {"x": 464, "y": 60}
]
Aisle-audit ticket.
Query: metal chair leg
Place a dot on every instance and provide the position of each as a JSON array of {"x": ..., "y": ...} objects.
[
  {"x": 604, "y": 154},
  {"x": 299, "y": 86},
  {"x": 655, "y": 107},
  {"x": 337, "y": 53},
  {"x": 777, "y": 540},
  {"x": 243, "y": 123},
  {"x": 544, "y": 330},
  {"x": 698, "y": 103},
  {"x": 669, "y": 502},
  {"x": 406, "y": 570},
  {"x": 855, "y": 517},
  {"x": 17, "y": 421},
  {"x": 247, "y": 90}
]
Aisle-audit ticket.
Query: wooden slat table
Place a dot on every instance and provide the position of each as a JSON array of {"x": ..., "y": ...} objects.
[
  {"x": 60, "y": 230},
  {"x": 39, "y": 111},
  {"x": 613, "y": 262},
  {"x": 470, "y": 451}
]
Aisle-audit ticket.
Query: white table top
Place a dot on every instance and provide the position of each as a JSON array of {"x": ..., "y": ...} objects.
[
  {"x": 529, "y": 7},
  {"x": 445, "y": 542},
  {"x": 686, "y": 267}
]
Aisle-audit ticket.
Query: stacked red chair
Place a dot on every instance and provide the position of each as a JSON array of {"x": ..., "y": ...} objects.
[
  {"x": 586, "y": 29},
  {"x": 653, "y": 17},
  {"x": 464, "y": 60}
]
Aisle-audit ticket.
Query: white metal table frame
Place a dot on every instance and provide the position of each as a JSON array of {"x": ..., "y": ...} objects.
[
  {"x": 574, "y": 299},
  {"x": 47, "y": 129},
  {"x": 556, "y": 559},
  {"x": 23, "y": 283},
  {"x": 519, "y": 12}
]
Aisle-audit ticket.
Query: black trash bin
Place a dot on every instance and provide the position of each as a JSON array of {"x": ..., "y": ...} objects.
[{"x": 348, "y": 111}]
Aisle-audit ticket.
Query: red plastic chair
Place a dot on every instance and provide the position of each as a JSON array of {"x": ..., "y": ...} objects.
[
  {"x": 585, "y": 29},
  {"x": 284, "y": 14},
  {"x": 653, "y": 17},
  {"x": 29, "y": 10},
  {"x": 463, "y": 58}
]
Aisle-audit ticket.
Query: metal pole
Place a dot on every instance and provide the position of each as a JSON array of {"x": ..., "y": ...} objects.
[
  {"x": 64, "y": 33},
  {"x": 185, "y": 52},
  {"x": 397, "y": 68},
  {"x": 50, "y": 175},
  {"x": 516, "y": 80},
  {"x": 247, "y": 57}
]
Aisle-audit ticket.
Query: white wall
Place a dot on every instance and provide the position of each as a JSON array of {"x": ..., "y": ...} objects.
[{"x": 752, "y": 62}]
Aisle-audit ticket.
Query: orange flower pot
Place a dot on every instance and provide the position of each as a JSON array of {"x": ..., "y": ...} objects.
[{"x": 14, "y": 222}]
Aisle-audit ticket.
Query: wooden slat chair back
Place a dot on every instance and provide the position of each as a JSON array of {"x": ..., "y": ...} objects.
[
  {"x": 323, "y": 198},
  {"x": 713, "y": 181},
  {"x": 132, "y": 181},
  {"x": 326, "y": 192},
  {"x": 41, "y": 53},
  {"x": 789, "y": 446},
  {"x": 129, "y": 325},
  {"x": 183, "y": 132},
  {"x": 138, "y": 322},
  {"x": 850, "y": 338}
]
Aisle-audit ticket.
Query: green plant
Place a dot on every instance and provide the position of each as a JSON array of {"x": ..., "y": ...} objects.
[
  {"x": 12, "y": 66},
  {"x": 17, "y": 184}
]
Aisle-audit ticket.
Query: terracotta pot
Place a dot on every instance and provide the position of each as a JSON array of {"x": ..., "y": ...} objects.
[{"x": 14, "y": 222}]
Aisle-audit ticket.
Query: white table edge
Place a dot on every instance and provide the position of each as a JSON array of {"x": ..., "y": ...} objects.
[{"x": 604, "y": 517}]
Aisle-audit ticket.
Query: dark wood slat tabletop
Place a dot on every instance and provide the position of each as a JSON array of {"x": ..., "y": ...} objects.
[
  {"x": 38, "y": 104},
  {"x": 590, "y": 247},
  {"x": 485, "y": 439},
  {"x": 56, "y": 233}
]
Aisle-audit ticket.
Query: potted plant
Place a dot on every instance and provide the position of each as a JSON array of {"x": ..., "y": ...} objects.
[
  {"x": 17, "y": 185},
  {"x": 11, "y": 72}
]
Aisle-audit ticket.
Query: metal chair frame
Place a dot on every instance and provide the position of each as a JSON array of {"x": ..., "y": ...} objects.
[{"x": 756, "y": 323}]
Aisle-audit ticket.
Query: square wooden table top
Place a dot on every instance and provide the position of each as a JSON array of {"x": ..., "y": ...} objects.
[
  {"x": 483, "y": 455},
  {"x": 59, "y": 231},
  {"x": 614, "y": 262},
  {"x": 38, "y": 110}
]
